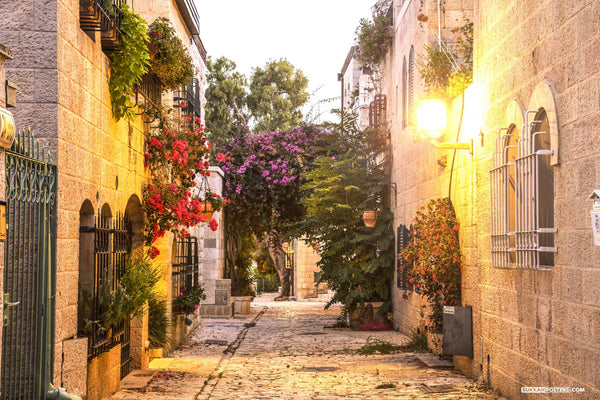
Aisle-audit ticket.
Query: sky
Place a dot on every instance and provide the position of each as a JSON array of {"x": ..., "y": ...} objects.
[{"x": 314, "y": 35}]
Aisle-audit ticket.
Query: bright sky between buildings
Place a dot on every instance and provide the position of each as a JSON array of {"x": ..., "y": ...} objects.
[{"x": 314, "y": 35}]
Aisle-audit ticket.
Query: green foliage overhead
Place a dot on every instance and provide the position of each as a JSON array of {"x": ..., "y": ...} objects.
[
  {"x": 169, "y": 59},
  {"x": 374, "y": 36},
  {"x": 128, "y": 63},
  {"x": 277, "y": 93},
  {"x": 225, "y": 100},
  {"x": 357, "y": 262}
]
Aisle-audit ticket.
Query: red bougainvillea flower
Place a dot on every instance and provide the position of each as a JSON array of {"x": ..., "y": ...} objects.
[
  {"x": 153, "y": 252},
  {"x": 213, "y": 224}
]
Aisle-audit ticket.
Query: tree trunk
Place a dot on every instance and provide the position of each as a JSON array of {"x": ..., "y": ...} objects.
[
  {"x": 278, "y": 256},
  {"x": 233, "y": 243}
]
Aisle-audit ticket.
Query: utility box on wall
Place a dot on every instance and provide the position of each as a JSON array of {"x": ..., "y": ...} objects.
[{"x": 458, "y": 331}]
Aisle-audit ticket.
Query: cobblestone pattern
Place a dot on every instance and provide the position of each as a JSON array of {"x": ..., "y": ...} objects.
[{"x": 292, "y": 353}]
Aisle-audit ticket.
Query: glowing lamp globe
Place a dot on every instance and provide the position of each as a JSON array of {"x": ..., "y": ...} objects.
[{"x": 431, "y": 117}]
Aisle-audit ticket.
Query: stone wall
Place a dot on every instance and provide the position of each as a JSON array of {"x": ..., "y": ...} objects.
[
  {"x": 530, "y": 328},
  {"x": 62, "y": 75},
  {"x": 305, "y": 267},
  {"x": 546, "y": 323}
]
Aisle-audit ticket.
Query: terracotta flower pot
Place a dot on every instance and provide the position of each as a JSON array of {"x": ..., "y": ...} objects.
[
  {"x": 207, "y": 210},
  {"x": 370, "y": 218}
]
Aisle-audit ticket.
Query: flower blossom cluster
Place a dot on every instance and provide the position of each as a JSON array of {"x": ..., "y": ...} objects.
[{"x": 174, "y": 155}]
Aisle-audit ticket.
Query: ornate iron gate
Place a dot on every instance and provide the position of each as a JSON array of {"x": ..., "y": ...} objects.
[{"x": 30, "y": 271}]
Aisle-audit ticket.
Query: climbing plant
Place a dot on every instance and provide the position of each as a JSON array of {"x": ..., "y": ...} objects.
[{"x": 128, "y": 63}]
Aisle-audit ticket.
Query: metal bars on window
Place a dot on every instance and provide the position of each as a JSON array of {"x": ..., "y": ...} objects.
[
  {"x": 522, "y": 195},
  {"x": 185, "y": 264},
  {"x": 112, "y": 247},
  {"x": 377, "y": 110},
  {"x": 402, "y": 240}
]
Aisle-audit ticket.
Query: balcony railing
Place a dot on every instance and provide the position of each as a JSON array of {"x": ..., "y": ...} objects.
[
  {"x": 104, "y": 16},
  {"x": 377, "y": 111},
  {"x": 148, "y": 93},
  {"x": 187, "y": 98}
]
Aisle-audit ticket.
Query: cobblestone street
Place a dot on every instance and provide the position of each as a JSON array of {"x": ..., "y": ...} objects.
[{"x": 288, "y": 350}]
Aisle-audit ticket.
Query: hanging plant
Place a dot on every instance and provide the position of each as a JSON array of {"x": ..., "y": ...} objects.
[
  {"x": 448, "y": 69},
  {"x": 128, "y": 63},
  {"x": 432, "y": 259},
  {"x": 174, "y": 154},
  {"x": 169, "y": 59}
]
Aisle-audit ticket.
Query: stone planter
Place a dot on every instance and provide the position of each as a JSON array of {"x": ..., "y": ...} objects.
[
  {"x": 155, "y": 353},
  {"x": 241, "y": 305},
  {"x": 435, "y": 343}
]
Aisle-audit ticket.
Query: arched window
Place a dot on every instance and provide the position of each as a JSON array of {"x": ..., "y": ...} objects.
[
  {"x": 522, "y": 189},
  {"x": 404, "y": 94}
]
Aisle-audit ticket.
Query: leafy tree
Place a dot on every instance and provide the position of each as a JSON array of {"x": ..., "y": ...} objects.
[
  {"x": 357, "y": 262},
  {"x": 225, "y": 108},
  {"x": 277, "y": 93},
  {"x": 263, "y": 180}
]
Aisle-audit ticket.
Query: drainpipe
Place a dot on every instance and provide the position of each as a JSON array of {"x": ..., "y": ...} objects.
[
  {"x": 54, "y": 393},
  {"x": 341, "y": 79}
]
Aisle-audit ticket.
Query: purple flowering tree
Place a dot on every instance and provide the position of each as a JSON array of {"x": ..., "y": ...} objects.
[{"x": 263, "y": 180}]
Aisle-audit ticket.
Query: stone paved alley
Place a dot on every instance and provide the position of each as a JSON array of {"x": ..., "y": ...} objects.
[{"x": 292, "y": 353}]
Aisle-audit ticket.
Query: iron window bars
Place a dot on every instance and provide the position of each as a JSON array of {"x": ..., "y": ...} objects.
[
  {"x": 522, "y": 195},
  {"x": 185, "y": 264}
]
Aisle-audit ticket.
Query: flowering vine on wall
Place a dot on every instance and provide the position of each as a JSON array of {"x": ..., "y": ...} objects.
[
  {"x": 432, "y": 264},
  {"x": 174, "y": 155}
]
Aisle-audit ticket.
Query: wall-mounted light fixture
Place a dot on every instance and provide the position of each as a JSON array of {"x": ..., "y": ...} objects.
[
  {"x": 7, "y": 128},
  {"x": 431, "y": 123}
]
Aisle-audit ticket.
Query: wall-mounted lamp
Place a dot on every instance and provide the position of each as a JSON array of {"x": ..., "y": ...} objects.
[
  {"x": 431, "y": 122},
  {"x": 7, "y": 128}
]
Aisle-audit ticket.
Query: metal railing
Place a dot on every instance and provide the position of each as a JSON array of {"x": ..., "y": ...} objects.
[{"x": 185, "y": 264}]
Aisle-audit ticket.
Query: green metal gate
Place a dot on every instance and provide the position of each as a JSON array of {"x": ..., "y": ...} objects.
[{"x": 30, "y": 271}]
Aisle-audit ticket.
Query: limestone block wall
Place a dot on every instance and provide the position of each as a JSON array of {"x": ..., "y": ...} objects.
[
  {"x": 542, "y": 328},
  {"x": 530, "y": 328},
  {"x": 415, "y": 170},
  {"x": 305, "y": 265},
  {"x": 62, "y": 75}
]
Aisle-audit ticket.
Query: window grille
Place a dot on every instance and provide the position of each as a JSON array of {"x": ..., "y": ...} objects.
[
  {"x": 188, "y": 99},
  {"x": 377, "y": 111},
  {"x": 185, "y": 264},
  {"x": 112, "y": 247},
  {"x": 402, "y": 239},
  {"x": 404, "y": 94},
  {"x": 522, "y": 196},
  {"x": 411, "y": 86}
]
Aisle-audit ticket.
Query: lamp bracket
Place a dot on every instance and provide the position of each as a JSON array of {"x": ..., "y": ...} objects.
[{"x": 464, "y": 145}]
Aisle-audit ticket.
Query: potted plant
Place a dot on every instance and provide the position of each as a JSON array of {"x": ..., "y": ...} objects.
[
  {"x": 169, "y": 59},
  {"x": 188, "y": 300}
]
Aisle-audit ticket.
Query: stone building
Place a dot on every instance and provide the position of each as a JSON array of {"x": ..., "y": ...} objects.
[
  {"x": 358, "y": 90},
  {"x": 530, "y": 266},
  {"x": 61, "y": 67}
]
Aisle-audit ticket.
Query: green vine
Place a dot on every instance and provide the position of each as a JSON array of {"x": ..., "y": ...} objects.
[
  {"x": 128, "y": 64},
  {"x": 447, "y": 69},
  {"x": 169, "y": 59}
]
